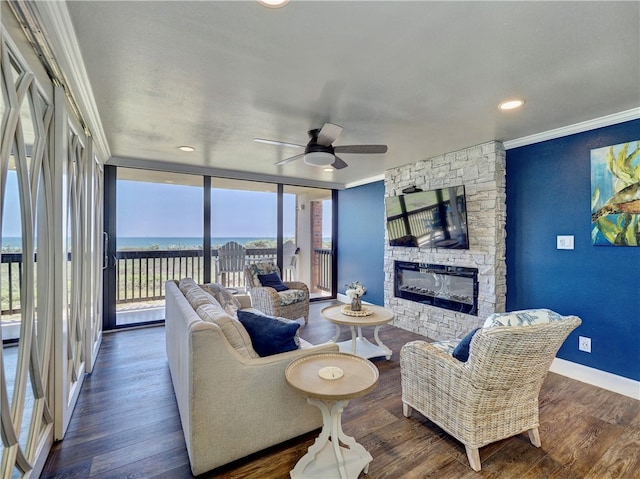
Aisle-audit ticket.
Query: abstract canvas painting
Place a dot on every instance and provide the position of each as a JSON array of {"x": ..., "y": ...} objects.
[{"x": 615, "y": 194}]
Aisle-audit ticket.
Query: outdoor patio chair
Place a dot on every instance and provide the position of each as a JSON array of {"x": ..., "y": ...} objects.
[
  {"x": 289, "y": 260},
  {"x": 231, "y": 261},
  {"x": 272, "y": 296},
  {"x": 494, "y": 394}
]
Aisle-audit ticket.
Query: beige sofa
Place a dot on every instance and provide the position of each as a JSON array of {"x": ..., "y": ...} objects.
[{"x": 231, "y": 402}]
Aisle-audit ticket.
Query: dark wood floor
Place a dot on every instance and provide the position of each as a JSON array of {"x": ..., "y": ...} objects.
[{"x": 126, "y": 425}]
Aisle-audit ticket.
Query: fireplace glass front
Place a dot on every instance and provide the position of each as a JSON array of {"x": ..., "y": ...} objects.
[{"x": 448, "y": 287}]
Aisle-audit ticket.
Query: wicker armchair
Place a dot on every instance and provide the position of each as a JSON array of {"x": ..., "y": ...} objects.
[
  {"x": 492, "y": 396},
  {"x": 291, "y": 304}
]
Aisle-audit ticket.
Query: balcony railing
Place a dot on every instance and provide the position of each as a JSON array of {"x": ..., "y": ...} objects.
[{"x": 141, "y": 275}]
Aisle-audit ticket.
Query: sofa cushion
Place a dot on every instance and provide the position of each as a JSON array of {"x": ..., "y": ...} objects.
[
  {"x": 227, "y": 300},
  {"x": 270, "y": 335},
  {"x": 461, "y": 351},
  {"x": 233, "y": 329},
  {"x": 272, "y": 280},
  {"x": 525, "y": 317},
  {"x": 194, "y": 293}
]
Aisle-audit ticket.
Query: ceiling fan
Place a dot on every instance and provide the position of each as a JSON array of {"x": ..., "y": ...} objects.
[{"x": 320, "y": 150}]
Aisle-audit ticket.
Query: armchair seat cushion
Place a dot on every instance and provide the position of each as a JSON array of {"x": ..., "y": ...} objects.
[{"x": 291, "y": 296}]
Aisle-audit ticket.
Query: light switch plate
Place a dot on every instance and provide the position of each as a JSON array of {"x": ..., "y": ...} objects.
[{"x": 565, "y": 242}]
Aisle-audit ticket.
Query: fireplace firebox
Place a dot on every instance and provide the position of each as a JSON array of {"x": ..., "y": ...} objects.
[{"x": 443, "y": 286}]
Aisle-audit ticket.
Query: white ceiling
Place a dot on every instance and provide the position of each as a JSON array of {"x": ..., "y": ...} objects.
[{"x": 424, "y": 78}]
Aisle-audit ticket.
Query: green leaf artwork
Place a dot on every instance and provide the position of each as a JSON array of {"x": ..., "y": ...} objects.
[{"x": 615, "y": 194}]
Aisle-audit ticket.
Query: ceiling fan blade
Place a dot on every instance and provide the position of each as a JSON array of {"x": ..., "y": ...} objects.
[
  {"x": 329, "y": 134},
  {"x": 276, "y": 142},
  {"x": 289, "y": 160},
  {"x": 360, "y": 149},
  {"x": 339, "y": 163}
]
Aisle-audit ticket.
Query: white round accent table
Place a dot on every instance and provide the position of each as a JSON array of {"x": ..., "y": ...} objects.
[
  {"x": 358, "y": 344},
  {"x": 327, "y": 458}
]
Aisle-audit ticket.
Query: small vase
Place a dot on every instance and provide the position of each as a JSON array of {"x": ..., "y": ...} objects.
[{"x": 356, "y": 304}]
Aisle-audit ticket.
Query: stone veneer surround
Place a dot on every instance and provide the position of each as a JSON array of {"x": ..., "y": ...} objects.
[{"x": 481, "y": 169}]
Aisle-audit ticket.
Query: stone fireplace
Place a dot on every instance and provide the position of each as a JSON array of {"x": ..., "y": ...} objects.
[{"x": 481, "y": 169}]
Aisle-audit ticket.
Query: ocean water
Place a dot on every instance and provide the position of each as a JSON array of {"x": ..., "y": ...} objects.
[
  {"x": 177, "y": 242},
  {"x": 14, "y": 243}
]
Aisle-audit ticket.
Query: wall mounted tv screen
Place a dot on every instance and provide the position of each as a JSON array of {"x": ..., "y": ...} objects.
[{"x": 428, "y": 219}]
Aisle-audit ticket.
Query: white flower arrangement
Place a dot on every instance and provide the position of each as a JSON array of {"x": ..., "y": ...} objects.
[{"x": 355, "y": 289}]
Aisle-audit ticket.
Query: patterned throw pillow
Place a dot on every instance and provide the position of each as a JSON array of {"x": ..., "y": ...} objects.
[
  {"x": 525, "y": 317},
  {"x": 227, "y": 300},
  {"x": 261, "y": 268},
  {"x": 194, "y": 294}
]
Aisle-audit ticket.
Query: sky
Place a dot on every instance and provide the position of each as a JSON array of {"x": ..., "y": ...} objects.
[
  {"x": 176, "y": 210},
  {"x": 169, "y": 210}
]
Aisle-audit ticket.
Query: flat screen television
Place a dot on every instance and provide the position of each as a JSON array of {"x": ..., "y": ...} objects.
[{"x": 428, "y": 219}]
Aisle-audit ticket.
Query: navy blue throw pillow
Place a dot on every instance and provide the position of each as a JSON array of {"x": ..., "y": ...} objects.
[
  {"x": 461, "y": 351},
  {"x": 272, "y": 280},
  {"x": 269, "y": 335}
]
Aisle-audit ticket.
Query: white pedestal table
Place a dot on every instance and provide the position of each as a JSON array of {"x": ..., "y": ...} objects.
[
  {"x": 358, "y": 344},
  {"x": 330, "y": 380}
]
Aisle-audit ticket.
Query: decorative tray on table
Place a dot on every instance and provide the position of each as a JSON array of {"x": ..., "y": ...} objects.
[{"x": 346, "y": 309}]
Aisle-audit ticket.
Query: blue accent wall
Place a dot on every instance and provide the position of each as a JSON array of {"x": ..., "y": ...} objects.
[
  {"x": 361, "y": 239},
  {"x": 549, "y": 194}
]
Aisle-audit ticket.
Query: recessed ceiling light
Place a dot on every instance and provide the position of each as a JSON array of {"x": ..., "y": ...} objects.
[
  {"x": 186, "y": 148},
  {"x": 328, "y": 170},
  {"x": 511, "y": 104},
  {"x": 273, "y": 3}
]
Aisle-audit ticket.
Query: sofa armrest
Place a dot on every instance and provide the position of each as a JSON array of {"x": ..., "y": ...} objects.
[
  {"x": 297, "y": 285},
  {"x": 244, "y": 300}
]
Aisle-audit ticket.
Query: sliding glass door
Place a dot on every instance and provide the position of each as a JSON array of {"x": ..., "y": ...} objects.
[{"x": 157, "y": 236}]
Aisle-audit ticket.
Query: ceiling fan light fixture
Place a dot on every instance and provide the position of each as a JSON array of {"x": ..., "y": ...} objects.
[
  {"x": 319, "y": 158},
  {"x": 273, "y": 3},
  {"x": 511, "y": 104}
]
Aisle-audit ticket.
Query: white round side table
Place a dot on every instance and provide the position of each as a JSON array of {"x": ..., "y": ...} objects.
[{"x": 330, "y": 380}]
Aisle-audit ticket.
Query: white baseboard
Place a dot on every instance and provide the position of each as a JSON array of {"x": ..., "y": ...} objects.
[{"x": 595, "y": 377}]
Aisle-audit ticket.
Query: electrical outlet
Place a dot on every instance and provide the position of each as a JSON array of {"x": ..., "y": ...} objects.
[{"x": 584, "y": 344}]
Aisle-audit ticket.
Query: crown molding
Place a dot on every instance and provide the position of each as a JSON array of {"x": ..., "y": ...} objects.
[
  {"x": 57, "y": 31},
  {"x": 632, "y": 114}
]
